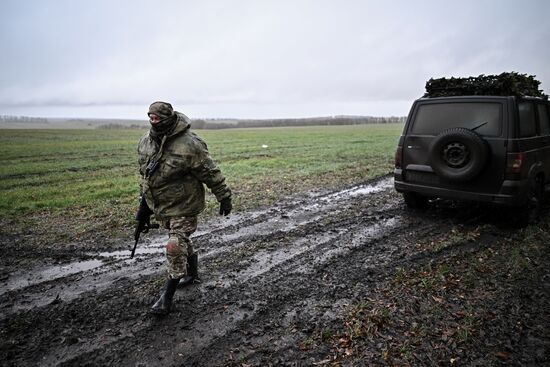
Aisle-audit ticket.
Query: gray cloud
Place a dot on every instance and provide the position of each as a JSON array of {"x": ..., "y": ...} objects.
[{"x": 256, "y": 58}]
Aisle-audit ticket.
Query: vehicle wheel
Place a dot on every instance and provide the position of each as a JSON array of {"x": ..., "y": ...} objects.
[
  {"x": 531, "y": 211},
  {"x": 458, "y": 154},
  {"x": 535, "y": 198},
  {"x": 415, "y": 201}
]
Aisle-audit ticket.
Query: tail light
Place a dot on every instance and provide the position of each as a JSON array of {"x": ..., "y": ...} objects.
[
  {"x": 398, "y": 156},
  {"x": 514, "y": 163}
]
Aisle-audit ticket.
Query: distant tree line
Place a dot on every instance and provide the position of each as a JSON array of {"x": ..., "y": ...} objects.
[
  {"x": 23, "y": 119},
  {"x": 315, "y": 121},
  {"x": 113, "y": 126},
  {"x": 221, "y": 123}
]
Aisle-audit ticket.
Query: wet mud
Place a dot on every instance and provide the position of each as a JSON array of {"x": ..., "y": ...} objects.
[{"x": 271, "y": 281}]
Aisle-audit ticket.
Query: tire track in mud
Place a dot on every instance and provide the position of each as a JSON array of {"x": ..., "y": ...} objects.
[
  {"x": 265, "y": 288},
  {"x": 254, "y": 282},
  {"x": 109, "y": 266},
  {"x": 258, "y": 266}
]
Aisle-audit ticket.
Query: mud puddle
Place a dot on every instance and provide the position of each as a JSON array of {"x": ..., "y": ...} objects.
[{"x": 36, "y": 276}]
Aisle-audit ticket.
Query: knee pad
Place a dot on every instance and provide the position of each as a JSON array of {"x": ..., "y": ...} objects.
[{"x": 173, "y": 246}]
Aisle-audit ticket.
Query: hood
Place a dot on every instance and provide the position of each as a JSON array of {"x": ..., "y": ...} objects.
[{"x": 183, "y": 123}]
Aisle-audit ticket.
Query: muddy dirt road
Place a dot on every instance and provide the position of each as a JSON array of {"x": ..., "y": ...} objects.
[{"x": 278, "y": 285}]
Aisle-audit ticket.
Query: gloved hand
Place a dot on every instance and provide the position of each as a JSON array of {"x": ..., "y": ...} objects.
[
  {"x": 225, "y": 206},
  {"x": 143, "y": 215}
]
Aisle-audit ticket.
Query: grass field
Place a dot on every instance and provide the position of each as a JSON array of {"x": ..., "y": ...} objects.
[{"x": 88, "y": 180}]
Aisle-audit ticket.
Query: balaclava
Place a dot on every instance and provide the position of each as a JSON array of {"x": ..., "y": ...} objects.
[{"x": 168, "y": 120}]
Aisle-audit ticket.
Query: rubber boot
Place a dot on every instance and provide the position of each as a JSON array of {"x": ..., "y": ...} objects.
[
  {"x": 192, "y": 271},
  {"x": 164, "y": 303}
]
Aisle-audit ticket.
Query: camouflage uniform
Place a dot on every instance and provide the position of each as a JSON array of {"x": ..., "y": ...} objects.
[
  {"x": 179, "y": 246},
  {"x": 175, "y": 190}
]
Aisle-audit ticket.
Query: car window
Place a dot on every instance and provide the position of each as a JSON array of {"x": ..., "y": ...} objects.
[
  {"x": 485, "y": 118},
  {"x": 544, "y": 120},
  {"x": 527, "y": 125}
]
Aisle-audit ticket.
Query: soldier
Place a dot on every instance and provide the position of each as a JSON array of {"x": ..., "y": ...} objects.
[{"x": 174, "y": 165}]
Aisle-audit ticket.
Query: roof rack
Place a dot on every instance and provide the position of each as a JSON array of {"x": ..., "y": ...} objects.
[{"x": 505, "y": 84}]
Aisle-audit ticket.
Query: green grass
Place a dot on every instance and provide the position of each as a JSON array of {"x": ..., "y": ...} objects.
[{"x": 92, "y": 174}]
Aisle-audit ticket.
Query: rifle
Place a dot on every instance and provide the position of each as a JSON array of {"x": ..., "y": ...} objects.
[
  {"x": 143, "y": 224},
  {"x": 144, "y": 212}
]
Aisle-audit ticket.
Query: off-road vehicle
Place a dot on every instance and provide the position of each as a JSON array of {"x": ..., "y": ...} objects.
[{"x": 492, "y": 148}]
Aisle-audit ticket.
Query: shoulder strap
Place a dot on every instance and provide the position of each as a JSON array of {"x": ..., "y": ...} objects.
[{"x": 154, "y": 162}]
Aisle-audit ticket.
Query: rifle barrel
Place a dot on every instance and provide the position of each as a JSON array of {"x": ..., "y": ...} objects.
[{"x": 134, "y": 249}]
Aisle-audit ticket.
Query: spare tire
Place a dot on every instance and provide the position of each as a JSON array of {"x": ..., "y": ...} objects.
[{"x": 458, "y": 154}]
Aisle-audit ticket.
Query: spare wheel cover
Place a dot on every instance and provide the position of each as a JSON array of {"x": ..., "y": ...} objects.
[{"x": 458, "y": 154}]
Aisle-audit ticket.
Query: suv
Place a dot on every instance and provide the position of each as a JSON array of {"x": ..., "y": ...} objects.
[{"x": 478, "y": 148}]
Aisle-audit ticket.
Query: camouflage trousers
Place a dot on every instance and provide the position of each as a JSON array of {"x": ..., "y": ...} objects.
[{"x": 179, "y": 245}]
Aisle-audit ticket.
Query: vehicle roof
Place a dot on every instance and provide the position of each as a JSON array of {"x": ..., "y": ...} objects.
[
  {"x": 454, "y": 98},
  {"x": 457, "y": 98}
]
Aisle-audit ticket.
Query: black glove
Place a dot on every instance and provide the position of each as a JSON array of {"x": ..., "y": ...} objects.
[
  {"x": 225, "y": 206},
  {"x": 144, "y": 213}
]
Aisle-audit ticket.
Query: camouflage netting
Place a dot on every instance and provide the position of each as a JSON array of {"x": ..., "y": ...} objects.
[{"x": 505, "y": 84}]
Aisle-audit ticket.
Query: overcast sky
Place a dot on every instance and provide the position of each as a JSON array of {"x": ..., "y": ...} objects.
[{"x": 250, "y": 59}]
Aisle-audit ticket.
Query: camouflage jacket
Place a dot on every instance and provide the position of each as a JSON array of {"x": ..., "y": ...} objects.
[{"x": 176, "y": 188}]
